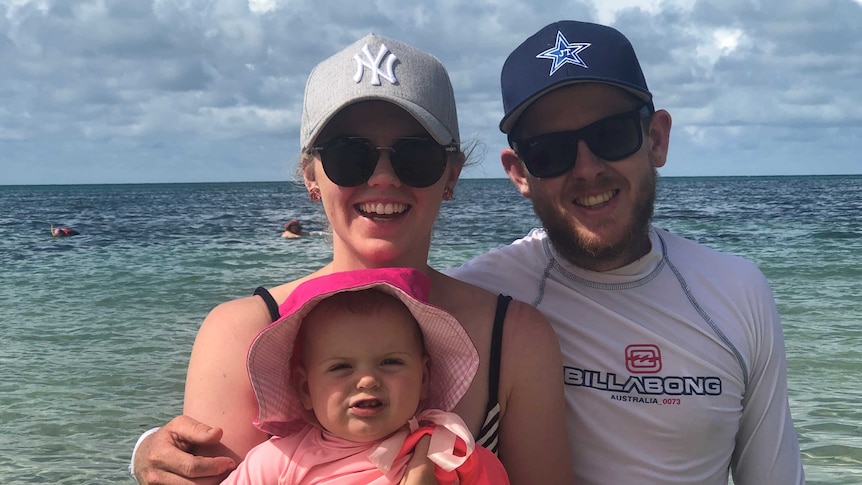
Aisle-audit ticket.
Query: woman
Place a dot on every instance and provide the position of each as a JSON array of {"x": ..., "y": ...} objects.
[{"x": 381, "y": 150}]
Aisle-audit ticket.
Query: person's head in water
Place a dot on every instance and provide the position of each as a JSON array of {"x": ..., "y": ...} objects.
[{"x": 292, "y": 228}]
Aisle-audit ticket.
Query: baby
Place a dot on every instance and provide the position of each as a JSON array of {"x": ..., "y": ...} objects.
[{"x": 358, "y": 368}]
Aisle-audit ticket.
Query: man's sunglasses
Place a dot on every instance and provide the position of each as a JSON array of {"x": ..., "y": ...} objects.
[
  {"x": 611, "y": 139},
  {"x": 350, "y": 161}
]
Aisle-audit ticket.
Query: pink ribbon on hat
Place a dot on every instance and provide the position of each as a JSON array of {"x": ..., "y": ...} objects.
[{"x": 441, "y": 451}]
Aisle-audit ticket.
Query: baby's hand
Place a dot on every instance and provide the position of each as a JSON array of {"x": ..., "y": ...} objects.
[{"x": 420, "y": 469}]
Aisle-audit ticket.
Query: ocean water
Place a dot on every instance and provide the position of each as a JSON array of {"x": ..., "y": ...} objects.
[{"x": 95, "y": 330}]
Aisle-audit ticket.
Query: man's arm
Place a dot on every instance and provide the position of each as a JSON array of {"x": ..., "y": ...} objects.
[
  {"x": 162, "y": 456},
  {"x": 767, "y": 448}
]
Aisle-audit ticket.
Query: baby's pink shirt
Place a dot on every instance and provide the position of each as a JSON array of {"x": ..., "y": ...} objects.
[{"x": 313, "y": 456}]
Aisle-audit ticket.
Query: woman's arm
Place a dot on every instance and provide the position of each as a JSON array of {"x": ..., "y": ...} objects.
[
  {"x": 219, "y": 404},
  {"x": 533, "y": 446},
  {"x": 218, "y": 391}
]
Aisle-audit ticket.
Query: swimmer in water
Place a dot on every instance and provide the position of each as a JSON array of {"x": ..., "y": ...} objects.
[
  {"x": 292, "y": 229},
  {"x": 63, "y": 231}
]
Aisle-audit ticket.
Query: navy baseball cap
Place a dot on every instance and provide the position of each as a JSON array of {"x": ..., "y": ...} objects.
[{"x": 564, "y": 53}]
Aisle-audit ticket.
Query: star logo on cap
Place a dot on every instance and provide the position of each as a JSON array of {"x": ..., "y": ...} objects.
[{"x": 564, "y": 53}]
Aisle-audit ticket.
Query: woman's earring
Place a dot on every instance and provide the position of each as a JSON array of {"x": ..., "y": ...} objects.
[
  {"x": 448, "y": 193},
  {"x": 314, "y": 194}
]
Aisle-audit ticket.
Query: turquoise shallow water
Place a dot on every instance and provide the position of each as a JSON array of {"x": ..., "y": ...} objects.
[{"x": 95, "y": 330}]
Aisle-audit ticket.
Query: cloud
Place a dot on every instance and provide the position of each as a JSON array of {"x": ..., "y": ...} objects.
[{"x": 205, "y": 90}]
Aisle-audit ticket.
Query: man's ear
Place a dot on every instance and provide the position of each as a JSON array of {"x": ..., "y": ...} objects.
[
  {"x": 516, "y": 171},
  {"x": 658, "y": 137}
]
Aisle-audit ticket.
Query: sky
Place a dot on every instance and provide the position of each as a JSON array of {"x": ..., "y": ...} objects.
[{"x": 150, "y": 91}]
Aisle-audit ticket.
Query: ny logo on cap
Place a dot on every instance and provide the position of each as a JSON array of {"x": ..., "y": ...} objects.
[
  {"x": 375, "y": 65},
  {"x": 564, "y": 53}
]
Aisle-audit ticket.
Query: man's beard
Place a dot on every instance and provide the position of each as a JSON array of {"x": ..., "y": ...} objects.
[{"x": 595, "y": 255}]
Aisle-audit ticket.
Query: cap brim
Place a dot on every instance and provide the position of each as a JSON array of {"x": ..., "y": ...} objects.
[
  {"x": 434, "y": 128},
  {"x": 508, "y": 122}
]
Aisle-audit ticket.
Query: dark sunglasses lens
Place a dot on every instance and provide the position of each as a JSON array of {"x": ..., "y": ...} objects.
[
  {"x": 418, "y": 163},
  {"x": 549, "y": 155},
  {"x": 614, "y": 139},
  {"x": 348, "y": 163},
  {"x": 553, "y": 154}
]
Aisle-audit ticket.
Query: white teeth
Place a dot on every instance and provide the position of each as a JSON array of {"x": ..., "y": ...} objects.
[
  {"x": 368, "y": 404},
  {"x": 383, "y": 209},
  {"x": 595, "y": 199}
]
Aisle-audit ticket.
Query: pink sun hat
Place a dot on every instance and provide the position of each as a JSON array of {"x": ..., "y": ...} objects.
[{"x": 454, "y": 360}]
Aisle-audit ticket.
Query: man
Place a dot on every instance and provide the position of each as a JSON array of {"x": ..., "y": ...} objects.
[{"x": 674, "y": 364}]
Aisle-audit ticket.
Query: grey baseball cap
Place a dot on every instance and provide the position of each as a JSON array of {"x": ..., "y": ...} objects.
[{"x": 379, "y": 68}]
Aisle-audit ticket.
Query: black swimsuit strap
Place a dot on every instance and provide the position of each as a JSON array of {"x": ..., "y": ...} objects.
[
  {"x": 496, "y": 349},
  {"x": 271, "y": 305}
]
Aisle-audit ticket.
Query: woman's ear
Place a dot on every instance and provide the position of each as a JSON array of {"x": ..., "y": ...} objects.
[
  {"x": 309, "y": 181},
  {"x": 308, "y": 178},
  {"x": 454, "y": 169}
]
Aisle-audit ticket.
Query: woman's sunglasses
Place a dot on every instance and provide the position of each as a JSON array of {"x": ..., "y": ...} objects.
[
  {"x": 611, "y": 139},
  {"x": 350, "y": 161}
]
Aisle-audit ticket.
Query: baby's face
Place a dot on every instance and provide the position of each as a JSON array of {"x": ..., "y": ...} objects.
[{"x": 363, "y": 375}]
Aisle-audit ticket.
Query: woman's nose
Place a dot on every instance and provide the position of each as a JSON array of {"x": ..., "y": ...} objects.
[{"x": 384, "y": 173}]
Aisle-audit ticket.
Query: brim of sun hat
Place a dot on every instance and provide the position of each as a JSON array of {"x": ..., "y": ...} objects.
[{"x": 454, "y": 359}]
